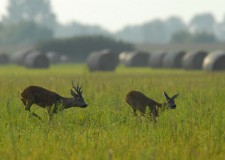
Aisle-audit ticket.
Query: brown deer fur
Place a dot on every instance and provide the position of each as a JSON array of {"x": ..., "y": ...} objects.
[
  {"x": 139, "y": 101},
  {"x": 51, "y": 100}
]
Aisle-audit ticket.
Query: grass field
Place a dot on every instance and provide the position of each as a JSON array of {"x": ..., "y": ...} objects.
[{"x": 107, "y": 129}]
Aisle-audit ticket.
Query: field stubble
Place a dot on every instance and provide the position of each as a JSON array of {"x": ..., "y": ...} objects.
[{"x": 106, "y": 129}]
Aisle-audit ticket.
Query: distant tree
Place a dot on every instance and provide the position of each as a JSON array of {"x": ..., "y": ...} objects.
[
  {"x": 77, "y": 29},
  {"x": 202, "y": 23},
  {"x": 1, "y": 26},
  {"x": 181, "y": 37},
  {"x": 80, "y": 47},
  {"x": 24, "y": 33},
  {"x": 38, "y": 11},
  {"x": 131, "y": 34},
  {"x": 174, "y": 24},
  {"x": 219, "y": 30},
  {"x": 204, "y": 37},
  {"x": 187, "y": 37},
  {"x": 154, "y": 32}
]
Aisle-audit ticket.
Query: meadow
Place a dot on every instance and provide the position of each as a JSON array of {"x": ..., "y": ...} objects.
[{"x": 107, "y": 129}]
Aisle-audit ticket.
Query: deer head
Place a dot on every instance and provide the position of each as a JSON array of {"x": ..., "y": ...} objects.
[
  {"x": 170, "y": 101},
  {"x": 78, "y": 99}
]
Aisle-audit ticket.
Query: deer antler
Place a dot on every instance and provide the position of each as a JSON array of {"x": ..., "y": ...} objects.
[{"x": 77, "y": 88}]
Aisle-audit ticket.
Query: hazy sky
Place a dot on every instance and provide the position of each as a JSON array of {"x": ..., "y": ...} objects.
[{"x": 115, "y": 14}]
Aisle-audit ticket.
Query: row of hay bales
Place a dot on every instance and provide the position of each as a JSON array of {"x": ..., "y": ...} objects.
[
  {"x": 214, "y": 61},
  {"x": 134, "y": 58},
  {"x": 4, "y": 59},
  {"x": 106, "y": 60},
  {"x": 32, "y": 58},
  {"x": 193, "y": 60}
]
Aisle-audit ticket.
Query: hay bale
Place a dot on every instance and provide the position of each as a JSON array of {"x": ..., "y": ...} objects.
[
  {"x": 194, "y": 60},
  {"x": 104, "y": 60},
  {"x": 137, "y": 59},
  {"x": 53, "y": 57},
  {"x": 173, "y": 59},
  {"x": 19, "y": 56},
  {"x": 64, "y": 59},
  {"x": 123, "y": 56},
  {"x": 36, "y": 59},
  {"x": 214, "y": 61},
  {"x": 4, "y": 59},
  {"x": 155, "y": 59}
]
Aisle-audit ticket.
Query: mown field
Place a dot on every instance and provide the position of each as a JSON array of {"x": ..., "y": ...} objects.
[{"x": 107, "y": 129}]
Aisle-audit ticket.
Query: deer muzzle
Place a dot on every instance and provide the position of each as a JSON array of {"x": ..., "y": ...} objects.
[
  {"x": 84, "y": 105},
  {"x": 174, "y": 107}
]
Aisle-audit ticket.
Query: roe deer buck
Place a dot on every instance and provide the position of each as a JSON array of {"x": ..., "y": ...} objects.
[
  {"x": 138, "y": 101},
  {"x": 51, "y": 100}
]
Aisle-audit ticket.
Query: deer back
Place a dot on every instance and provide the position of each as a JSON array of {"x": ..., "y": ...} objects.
[
  {"x": 139, "y": 99},
  {"x": 40, "y": 96},
  {"x": 44, "y": 97}
]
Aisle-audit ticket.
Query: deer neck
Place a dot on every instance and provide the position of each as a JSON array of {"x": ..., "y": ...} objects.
[
  {"x": 67, "y": 102},
  {"x": 163, "y": 106}
]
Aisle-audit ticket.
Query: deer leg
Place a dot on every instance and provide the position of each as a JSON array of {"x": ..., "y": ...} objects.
[
  {"x": 153, "y": 113},
  {"x": 134, "y": 111},
  {"x": 50, "y": 112},
  {"x": 52, "y": 109},
  {"x": 35, "y": 115},
  {"x": 29, "y": 104},
  {"x": 134, "y": 107},
  {"x": 142, "y": 110}
]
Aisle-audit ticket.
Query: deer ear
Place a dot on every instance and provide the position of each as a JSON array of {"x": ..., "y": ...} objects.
[
  {"x": 175, "y": 96},
  {"x": 166, "y": 95},
  {"x": 72, "y": 93}
]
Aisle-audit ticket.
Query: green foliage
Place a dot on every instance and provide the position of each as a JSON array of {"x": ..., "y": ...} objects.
[
  {"x": 204, "y": 37},
  {"x": 38, "y": 11},
  {"x": 154, "y": 32},
  {"x": 203, "y": 22},
  {"x": 80, "y": 47},
  {"x": 76, "y": 29},
  {"x": 23, "y": 33},
  {"x": 181, "y": 37},
  {"x": 106, "y": 129},
  {"x": 1, "y": 26},
  {"x": 187, "y": 37}
]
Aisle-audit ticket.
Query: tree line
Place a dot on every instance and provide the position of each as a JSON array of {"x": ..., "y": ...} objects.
[{"x": 33, "y": 21}]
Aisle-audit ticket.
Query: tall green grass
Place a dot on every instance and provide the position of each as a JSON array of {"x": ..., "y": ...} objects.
[{"x": 107, "y": 129}]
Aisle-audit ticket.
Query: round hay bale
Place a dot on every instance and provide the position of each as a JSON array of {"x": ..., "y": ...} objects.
[
  {"x": 194, "y": 60},
  {"x": 123, "y": 56},
  {"x": 173, "y": 59},
  {"x": 53, "y": 57},
  {"x": 215, "y": 61},
  {"x": 64, "y": 59},
  {"x": 19, "y": 56},
  {"x": 137, "y": 59},
  {"x": 104, "y": 60},
  {"x": 155, "y": 59},
  {"x": 36, "y": 59},
  {"x": 4, "y": 59}
]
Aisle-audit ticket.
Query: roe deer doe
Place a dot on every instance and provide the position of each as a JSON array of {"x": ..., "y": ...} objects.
[
  {"x": 138, "y": 101},
  {"x": 51, "y": 100}
]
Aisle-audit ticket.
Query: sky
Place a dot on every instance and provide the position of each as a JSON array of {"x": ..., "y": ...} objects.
[{"x": 113, "y": 15}]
